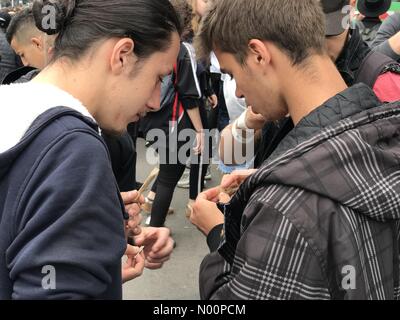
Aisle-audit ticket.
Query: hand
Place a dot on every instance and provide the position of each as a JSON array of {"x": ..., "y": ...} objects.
[
  {"x": 205, "y": 214},
  {"x": 236, "y": 178},
  {"x": 132, "y": 201},
  {"x": 213, "y": 100},
  {"x": 158, "y": 246},
  {"x": 132, "y": 267},
  {"x": 254, "y": 120},
  {"x": 198, "y": 149}
]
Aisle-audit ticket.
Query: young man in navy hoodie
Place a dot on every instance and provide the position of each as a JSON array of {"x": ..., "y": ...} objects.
[{"x": 62, "y": 218}]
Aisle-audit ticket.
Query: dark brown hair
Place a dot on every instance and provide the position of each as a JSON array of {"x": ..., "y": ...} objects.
[
  {"x": 296, "y": 27},
  {"x": 81, "y": 23}
]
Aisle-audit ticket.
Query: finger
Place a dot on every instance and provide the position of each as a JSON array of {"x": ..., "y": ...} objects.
[
  {"x": 133, "y": 209},
  {"x": 137, "y": 231},
  {"x": 131, "y": 250},
  {"x": 244, "y": 173},
  {"x": 224, "y": 198},
  {"x": 163, "y": 252},
  {"x": 132, "y": 197},
  {"x": 135, "y": 269},
  {"x": 228, "y": 180},
  {"x": 137, "y": 219},
  {"x": 161, "y": 238},
  {"x": 134, "y": 227},
  {"x": 210, "y": 194},
  {"x": 139, "y": 260},
  {"x": 153, "y": 266},
  {"x": 235, "y": 178},
  {"x": 147, "y": 236},
  {"x": 157, "y": 260}
]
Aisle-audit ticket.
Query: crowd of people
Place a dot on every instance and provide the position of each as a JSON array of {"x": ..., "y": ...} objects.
[{"x": 301, "y": 99}]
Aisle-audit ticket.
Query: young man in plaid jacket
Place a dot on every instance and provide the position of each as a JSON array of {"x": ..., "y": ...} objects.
[{"x": 320, "y": 218}]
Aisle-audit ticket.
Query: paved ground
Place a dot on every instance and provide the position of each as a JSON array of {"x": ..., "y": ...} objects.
[{"x": 178, "y": 279}]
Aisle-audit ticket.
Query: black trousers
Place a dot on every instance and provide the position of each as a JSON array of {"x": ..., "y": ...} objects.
[{"x": 166, "y": 182}]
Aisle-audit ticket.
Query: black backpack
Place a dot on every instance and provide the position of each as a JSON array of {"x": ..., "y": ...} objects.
[
  {"x": 373, "y": 65},
  {"x": 368, "y": 34}
]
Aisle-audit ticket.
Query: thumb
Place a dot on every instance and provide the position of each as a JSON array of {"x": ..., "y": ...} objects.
[
  {"x": 132, "y": 197},
  {"x": 224, "y": 198},
  {"x": 131, "y": 250},
  {"x": 209, "y": 194}
]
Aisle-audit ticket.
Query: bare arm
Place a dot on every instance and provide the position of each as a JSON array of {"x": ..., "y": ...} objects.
[{"x": 235, "y": 141}]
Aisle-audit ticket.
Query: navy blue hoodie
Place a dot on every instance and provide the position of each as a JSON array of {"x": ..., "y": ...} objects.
[{"x": 60, "y": 209}]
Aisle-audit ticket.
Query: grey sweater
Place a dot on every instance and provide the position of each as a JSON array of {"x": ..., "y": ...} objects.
[
  {"x": 388, "y": 29},
  {"x": 8, "y": 59}
]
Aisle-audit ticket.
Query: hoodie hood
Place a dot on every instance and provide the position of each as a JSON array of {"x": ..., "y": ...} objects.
[
  {"x": 23, "y": 103},
  {"x": 348, "y": 150},
  {"x": 26, "y": 109}
]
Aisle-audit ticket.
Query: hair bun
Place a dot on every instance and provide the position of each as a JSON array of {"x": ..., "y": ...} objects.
[{"x": 51, "y": 16}]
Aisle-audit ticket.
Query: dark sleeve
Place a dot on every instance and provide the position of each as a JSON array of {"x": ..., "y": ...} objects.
[
  {"x": 209, "y": 90},
  {"x": 204, "y": 76},
  {"x": 188, "y": 85},
  {"x": 214, "y": 237},
  {"x": 122, "y": 153},
  {"x": 388, "y": 29},
  {"x": 263, "y": 266},
  {"x": 69, "y": 219}
]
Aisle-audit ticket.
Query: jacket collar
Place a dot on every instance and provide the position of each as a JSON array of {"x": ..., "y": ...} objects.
[
  {"x": 344, "y": 105},
  {"x": 351, "y": 57}
]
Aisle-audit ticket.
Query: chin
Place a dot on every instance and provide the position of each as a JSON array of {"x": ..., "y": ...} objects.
[{"x": 115, "y": 132}]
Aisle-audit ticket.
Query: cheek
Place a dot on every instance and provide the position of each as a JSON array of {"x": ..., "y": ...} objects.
[{"x": 139, "y": 92}]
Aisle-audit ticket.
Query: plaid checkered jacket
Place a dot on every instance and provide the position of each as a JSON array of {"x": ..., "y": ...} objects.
[{"x": 320, "y": 219}]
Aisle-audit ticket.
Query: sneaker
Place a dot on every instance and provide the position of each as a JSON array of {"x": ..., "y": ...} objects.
[
  {"x": 208, "y": 174},
  {"x": 184, "y": 182}
]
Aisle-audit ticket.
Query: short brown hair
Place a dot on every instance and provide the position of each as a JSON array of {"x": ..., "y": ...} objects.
[{"x": 297, "y": 27}]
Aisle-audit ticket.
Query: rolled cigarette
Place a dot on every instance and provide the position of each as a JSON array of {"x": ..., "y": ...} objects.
[
  {"x": 153, "y": 174},
  {"x": 139, "y": 252}
]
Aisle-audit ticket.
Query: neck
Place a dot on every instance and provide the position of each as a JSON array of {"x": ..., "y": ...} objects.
[
  {"x": 305, "y": 91},
  {"x": 77, "y": 81}
]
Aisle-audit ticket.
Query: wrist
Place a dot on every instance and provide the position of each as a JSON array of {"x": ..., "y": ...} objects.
[{"x": 241, "y": 121}]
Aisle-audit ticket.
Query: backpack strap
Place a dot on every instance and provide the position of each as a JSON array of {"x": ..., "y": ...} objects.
[
  {"x": 176, "y": 101},
  {"x": 177, "y": 109},
  {"x": 371, "y": 67}
]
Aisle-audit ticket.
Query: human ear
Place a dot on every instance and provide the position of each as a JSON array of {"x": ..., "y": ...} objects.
[
  {"x": 37, "y": 42},
  {"x": 259, "y": 53},
  {"x": 122, "y": 54}
]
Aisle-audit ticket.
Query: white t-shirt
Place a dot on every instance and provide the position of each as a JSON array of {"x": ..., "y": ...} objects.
[{"x": 234, "y": 105}]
